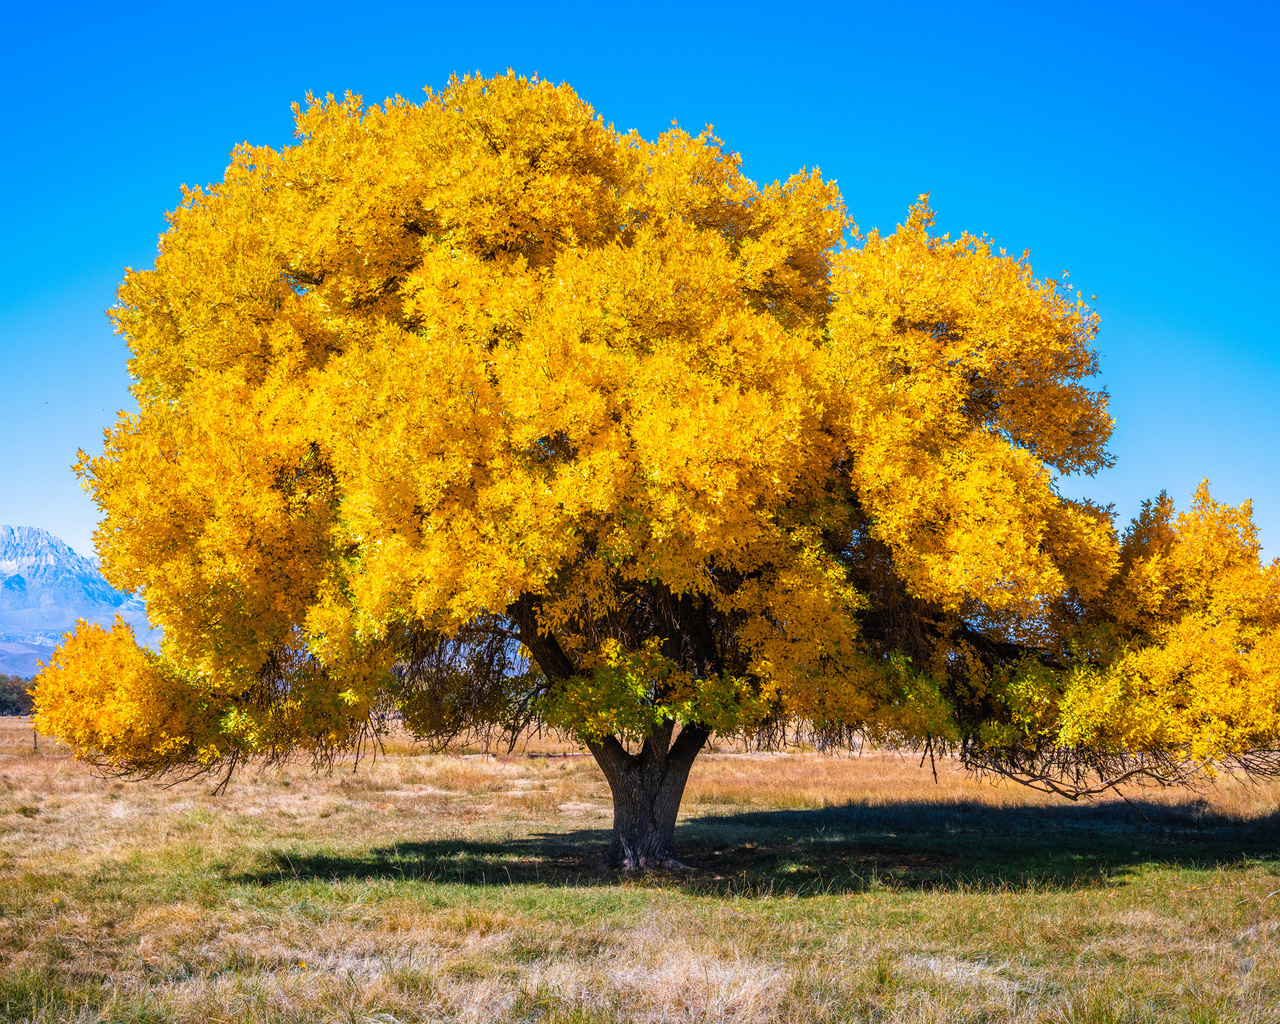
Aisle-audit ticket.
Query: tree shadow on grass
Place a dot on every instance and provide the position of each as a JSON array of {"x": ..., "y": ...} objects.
[
  {"x": 909, "y": 845},
  {"x": 546, "y": 858},
  {"x": 948, "y": 845}
]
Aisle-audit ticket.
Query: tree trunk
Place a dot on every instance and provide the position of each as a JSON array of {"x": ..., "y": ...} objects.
[{"x": 647, "y": 788}]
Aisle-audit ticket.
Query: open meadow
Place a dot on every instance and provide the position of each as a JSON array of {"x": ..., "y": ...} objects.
[{"x": 453, "y": 887}]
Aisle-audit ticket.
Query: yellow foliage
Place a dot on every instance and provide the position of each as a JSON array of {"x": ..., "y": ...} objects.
[
  {"x": 101, "y": 692},
  {"x": 438, "y": 363},
  {"x": 1200, "y": 673},
  {"x": 958, "y": 391}
]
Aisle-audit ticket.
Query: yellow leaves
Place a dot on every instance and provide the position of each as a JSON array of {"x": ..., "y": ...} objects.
[
  {"x": 978, "y": 341},
  {"x": 1200, "y": 673},
  {"x": 435, "y": 360},
  {"x": 103, "y": 694},
  {"x": 1204, "y": 561},
  {"x": 434, "y": 357},
  {"x": 1081, "y": 540},
  {"x": 956, "y": 380}
]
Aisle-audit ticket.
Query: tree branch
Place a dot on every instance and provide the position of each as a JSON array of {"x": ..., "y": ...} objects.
[{"x": 544, "y": 647}]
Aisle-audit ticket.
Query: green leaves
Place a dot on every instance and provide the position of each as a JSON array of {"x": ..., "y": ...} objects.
[{"x": 629, "y": 694}]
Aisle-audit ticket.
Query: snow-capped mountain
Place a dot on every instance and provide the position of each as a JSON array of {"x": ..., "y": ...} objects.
[{"x": 44, "y": 587}]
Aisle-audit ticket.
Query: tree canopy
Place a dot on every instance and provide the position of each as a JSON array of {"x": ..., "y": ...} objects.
[{"x": 479, "y": 412}]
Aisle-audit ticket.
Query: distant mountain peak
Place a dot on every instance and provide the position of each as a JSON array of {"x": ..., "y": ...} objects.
[
  {"x": 45, "y": 586},
  {"x": 31, "y": 545}
]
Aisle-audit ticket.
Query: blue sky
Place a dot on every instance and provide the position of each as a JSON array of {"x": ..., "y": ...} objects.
[{"x": 1133, "y": 144}]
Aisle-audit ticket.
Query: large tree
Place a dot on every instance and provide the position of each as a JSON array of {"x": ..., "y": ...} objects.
[{"x": 478, "y": 413}]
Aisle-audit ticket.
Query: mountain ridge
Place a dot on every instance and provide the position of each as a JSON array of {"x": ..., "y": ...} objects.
[{"x": 45, "y": 586}]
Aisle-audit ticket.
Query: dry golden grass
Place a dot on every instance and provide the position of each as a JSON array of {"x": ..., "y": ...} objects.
[{"x": 465, "y": 888}]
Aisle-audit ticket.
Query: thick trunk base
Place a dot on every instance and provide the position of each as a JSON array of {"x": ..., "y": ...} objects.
[
  {"x": 641, "y": 840},
  {"x": 647, "y": 788}
]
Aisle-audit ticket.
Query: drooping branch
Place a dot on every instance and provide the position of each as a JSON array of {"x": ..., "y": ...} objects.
[{"x": 1075, "y": 773}]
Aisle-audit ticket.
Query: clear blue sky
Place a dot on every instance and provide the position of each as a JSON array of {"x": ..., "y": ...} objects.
[{"x": 1133, "y": 144}]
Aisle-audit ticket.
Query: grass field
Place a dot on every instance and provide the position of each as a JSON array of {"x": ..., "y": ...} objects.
[{"x": 426, "y": 888}]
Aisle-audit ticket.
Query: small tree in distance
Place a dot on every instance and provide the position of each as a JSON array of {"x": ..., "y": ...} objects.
[
  {"x": 14, "y": 698},
  {"x": 480, "y": 413}
]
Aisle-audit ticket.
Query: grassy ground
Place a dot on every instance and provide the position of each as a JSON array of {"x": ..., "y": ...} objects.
[{"x": 426, "y": 888}]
